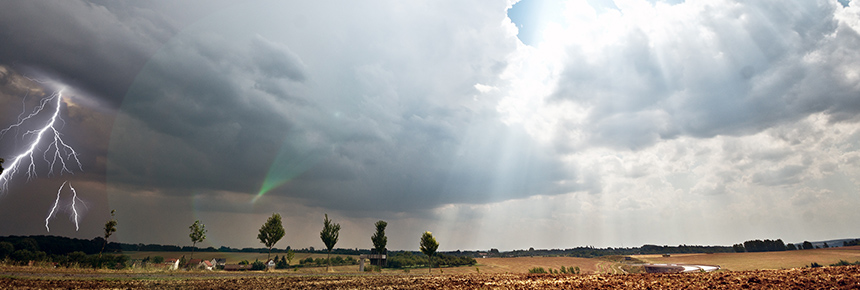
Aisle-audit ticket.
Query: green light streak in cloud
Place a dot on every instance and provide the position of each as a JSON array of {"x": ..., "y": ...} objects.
[{"x": 293, "y": 160}]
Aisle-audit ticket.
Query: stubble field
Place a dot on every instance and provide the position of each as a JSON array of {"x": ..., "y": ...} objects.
[
  {"x": 740, "y": 271},
  {"x": 844, "y": 277},
  {"x": 763, "y": 260}
]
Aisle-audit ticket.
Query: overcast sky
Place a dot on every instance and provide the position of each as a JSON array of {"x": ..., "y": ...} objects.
[{"x": 493, "y": 124}]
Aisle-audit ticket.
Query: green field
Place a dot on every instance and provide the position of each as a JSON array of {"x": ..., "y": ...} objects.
[
  {"x": 762, "y": 260},
  {"x": 232, "y": 257}
]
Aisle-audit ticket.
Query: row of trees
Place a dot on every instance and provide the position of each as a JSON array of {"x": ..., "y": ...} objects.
[
  {"x": 273, "y": 230},
  {"x": 269, "y": 234}
]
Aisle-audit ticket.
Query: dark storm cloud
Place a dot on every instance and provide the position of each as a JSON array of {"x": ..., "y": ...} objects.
[
  {"x": 389, "y": 122},
  {"x": 430, "y": 168},
  {"x": 734, "y": 71},
  {"x": 97, "y": 48},
  {"x": 28, "y": 198}
]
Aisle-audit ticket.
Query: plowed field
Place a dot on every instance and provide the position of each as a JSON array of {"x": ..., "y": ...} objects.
[{"x": 847, "y": 277}]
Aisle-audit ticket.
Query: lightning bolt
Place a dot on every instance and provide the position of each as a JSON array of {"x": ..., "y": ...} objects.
[
  {"x": 57, "y": 153},
  {"x": 75, "y": 210},
  {"x": 53, "y": 211}
]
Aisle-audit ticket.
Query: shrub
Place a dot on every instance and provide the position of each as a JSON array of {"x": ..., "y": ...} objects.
[
  {"x": 538, "y": 270},
  {"x": 282, "y": 264},
  {"x": 6, "y": 249},
  {"x": 257, "y": 265},
  {"x": 76, "y": 258},
  {"x": 845, "y": 263}
]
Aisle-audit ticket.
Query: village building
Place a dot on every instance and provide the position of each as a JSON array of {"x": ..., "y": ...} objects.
[
  {"x": 172, "y": 264},
  {"x": 219, "y": 263},
  {"x": 200, "y": 264}
]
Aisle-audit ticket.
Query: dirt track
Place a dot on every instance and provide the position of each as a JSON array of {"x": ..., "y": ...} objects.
[{"x": 847, "y": 277}]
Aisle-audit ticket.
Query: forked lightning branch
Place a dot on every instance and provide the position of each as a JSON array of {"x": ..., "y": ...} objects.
[{"x": 44, "y": 146}]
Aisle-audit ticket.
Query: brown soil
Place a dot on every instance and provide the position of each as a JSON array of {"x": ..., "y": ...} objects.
[
  {"x": 847, "y": 277},
  {"x": 762, "y": 260}
]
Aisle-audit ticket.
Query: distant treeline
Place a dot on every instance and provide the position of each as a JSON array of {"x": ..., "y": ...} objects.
[
  {"x": 171, "y": 248},
  {"x": 55, "y": 245},
  {"x": 59, "y": 251},
  {"x": 778, "y": 245},
  {"x": 763, "y": 246},
  {"x": 591, "y": 252}
]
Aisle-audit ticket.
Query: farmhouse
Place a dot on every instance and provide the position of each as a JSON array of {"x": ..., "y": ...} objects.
[
  {"x": 206, "y": 264},
  {"x": 219, "y": 262},
  {"x": 172, "y": 264},
  {"x": 200, "y": 264}
]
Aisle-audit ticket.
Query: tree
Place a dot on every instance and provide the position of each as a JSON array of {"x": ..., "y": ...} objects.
[
  {"x": 329, "y": 235},
  {"x": 271, "y": 232},
  {"x": 6, "y": 249},
  {"x": 281, "y": 264},
  {"x": 198, "y": 234},
  {"x": 807, "y": 245},
  {"x": 379, "y": 239},
  {"x": 290, "y": 256},
  {"x": 110, "y": 228},
  {"x": 428, "y": 247},
  {"x": 790, "y": 247}
]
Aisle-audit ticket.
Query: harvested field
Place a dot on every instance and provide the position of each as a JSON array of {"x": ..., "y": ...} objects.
[
  {"x": 763, "y": 260},
  {"x": 523, "y": 264},
  {"x": 846, "y": 277}
]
